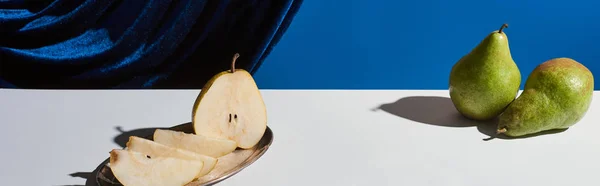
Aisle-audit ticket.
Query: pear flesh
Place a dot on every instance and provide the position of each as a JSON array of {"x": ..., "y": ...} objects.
[
  {"x": 138, "y": 169},
  {"x": 154, "y": 149},
  {"x": 486, "y": 80},
  {"x": 228, "y": 113},
  {"x": 557, "y": 95},
  {"x": 230, "y": 106},
  {"x": 212, "y": 147}
]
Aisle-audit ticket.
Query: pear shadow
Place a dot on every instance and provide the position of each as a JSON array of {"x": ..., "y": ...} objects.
[
  {"x": 431, "y": 110},
  {"x": 123, "y": 137},
  {"x": 147, "y": 133},
  {"x": 440, "y": 111},
  {"x": 490, "y": 130}
]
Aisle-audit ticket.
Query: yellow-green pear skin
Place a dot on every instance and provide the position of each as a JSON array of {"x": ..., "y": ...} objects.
[
  {"x": 486, "y": 80},
  {"x": 557, "y": 95}
]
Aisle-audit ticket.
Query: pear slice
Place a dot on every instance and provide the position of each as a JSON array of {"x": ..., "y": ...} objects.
[
  {"x": 230, "y": 106},
  {"x": 138, "y": 169},
  {"x": 212, "y": 147},
  {"x": 154, "y": 149}
]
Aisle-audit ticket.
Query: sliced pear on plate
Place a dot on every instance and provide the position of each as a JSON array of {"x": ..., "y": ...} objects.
[
  {"x": 155, "y": 149},
  {"x": 212, "y": 147},
  {"x": 230, "y": 106},
  {"x": 138, "y": 169}
]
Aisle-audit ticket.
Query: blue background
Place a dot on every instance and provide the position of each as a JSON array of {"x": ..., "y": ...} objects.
[{"x": 377, "y": 44}]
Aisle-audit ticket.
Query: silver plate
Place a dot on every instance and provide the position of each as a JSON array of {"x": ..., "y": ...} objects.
[{"x": 226, "y": 166}]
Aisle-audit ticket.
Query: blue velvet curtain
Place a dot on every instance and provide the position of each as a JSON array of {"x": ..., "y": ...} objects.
[{"x": 134, "y": 44}]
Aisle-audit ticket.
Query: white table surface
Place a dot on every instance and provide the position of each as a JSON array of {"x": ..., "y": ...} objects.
[{"x": 321, "y": 138}]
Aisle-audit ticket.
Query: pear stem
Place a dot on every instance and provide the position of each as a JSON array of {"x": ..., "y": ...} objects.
[
  {"x": 235, "y": 57},
  {"x": 502, "y": 27},
  {"x": 500, "y": 131}
]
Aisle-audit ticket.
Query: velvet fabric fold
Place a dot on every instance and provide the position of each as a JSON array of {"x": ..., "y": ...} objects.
[{"x": 134, "y": 44}]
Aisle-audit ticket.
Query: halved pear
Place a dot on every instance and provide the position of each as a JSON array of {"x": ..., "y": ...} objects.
[
  {"x": 230, "y": 106},
  {"x": 154, "y": 149},
  {"x": 212, "y": 147},
  {"x": 138, "y": 169}
]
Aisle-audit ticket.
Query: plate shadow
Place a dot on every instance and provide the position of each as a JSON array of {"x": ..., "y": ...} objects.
[
  {"x": 440, "y": 111},
  {"x": 123, "y": 137},
  {"x": 89, "y": 176}
]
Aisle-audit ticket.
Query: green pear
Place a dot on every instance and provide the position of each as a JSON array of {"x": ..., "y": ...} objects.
[
  {"x": 486, "y": 80},
  {"x": 557, "y": 95}
]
